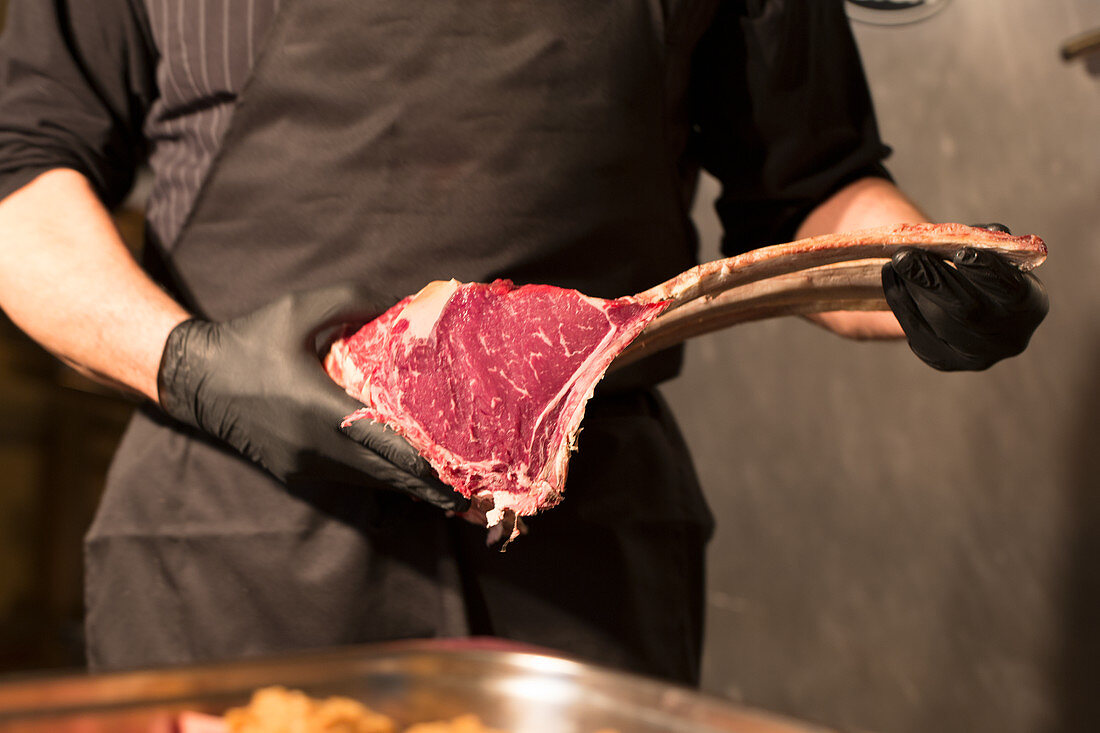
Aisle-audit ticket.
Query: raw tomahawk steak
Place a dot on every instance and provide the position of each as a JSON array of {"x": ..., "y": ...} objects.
[{"x": 489, "y": 382}]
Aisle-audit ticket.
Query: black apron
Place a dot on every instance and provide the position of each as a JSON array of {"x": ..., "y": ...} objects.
[{"x": 395, "y": 143}]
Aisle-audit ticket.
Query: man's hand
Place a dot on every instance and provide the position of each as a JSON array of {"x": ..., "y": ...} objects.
[
  {"x": 257, "y": 383},
  {"x": 966, "y": 317}
]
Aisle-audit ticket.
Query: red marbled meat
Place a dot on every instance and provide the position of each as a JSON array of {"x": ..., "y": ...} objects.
[{"x": 489, "y": 382}]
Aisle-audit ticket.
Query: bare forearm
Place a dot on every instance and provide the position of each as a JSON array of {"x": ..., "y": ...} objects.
[
  {"x": 68, "y": 281},
  {"x": 865, "y": 203}
]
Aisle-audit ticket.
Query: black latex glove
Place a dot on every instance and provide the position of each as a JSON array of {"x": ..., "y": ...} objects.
[
  {"x": 257, "y": 383},
  {"x": 966, "y": 317}
]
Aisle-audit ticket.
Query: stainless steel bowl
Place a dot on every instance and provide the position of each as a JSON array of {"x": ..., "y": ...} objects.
[{"x": 508, "y": 686}]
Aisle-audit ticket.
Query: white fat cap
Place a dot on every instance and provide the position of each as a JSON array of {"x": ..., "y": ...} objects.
[{"x": 424, "y": 309}]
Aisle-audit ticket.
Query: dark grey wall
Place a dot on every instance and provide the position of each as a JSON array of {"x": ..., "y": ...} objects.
[{"x": 901, "y": 550}]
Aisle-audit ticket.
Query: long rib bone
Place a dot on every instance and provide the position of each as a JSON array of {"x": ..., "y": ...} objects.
[
  {"x": 840, "y": 286},
  {"x": 1026, "y": 252},
  {"x": 830, "y": 272}
]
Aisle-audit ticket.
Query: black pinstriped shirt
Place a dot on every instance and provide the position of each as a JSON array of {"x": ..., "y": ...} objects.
[{"x": 101, "y": 85}]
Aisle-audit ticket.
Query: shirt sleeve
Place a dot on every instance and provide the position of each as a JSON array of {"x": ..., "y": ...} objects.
[
  {"x": 76, "y": 80},
  {"x": 782, "y": 116}
]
